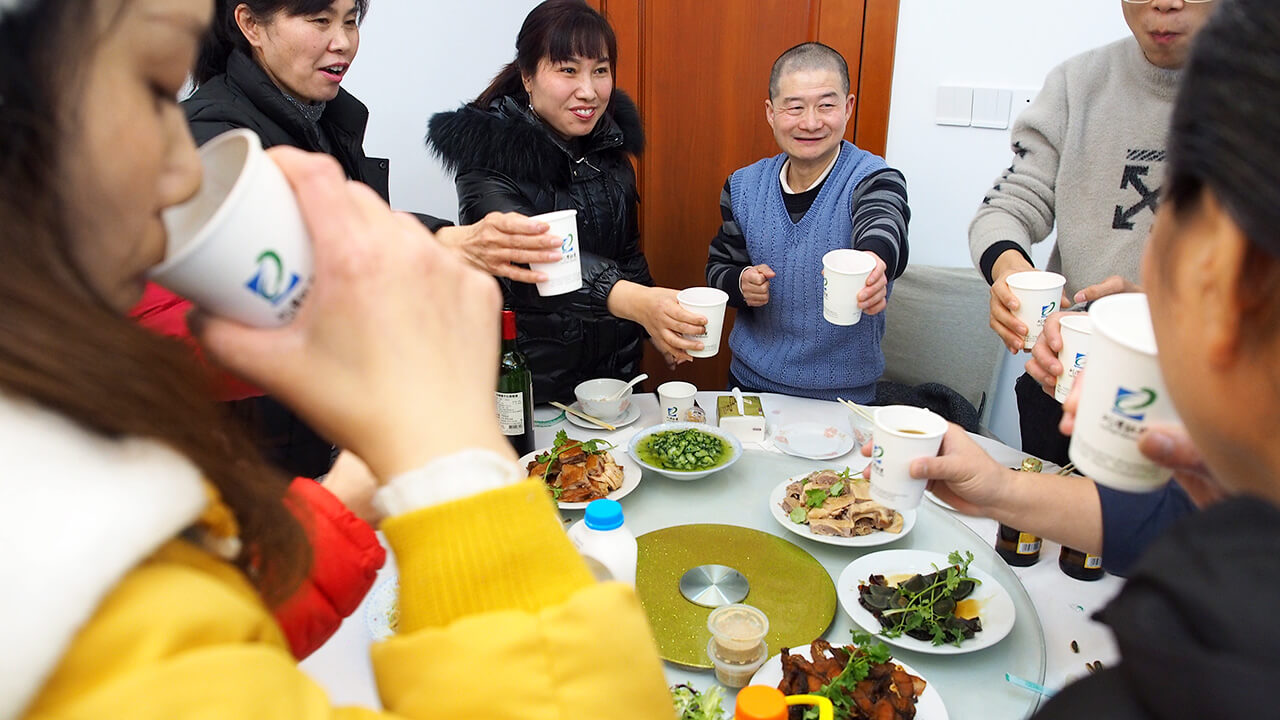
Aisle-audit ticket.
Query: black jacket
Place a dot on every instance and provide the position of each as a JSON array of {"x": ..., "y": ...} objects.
[
  {"x": 244, "y": 97},
  {"x": 1196, "y": 624},
  {"x": 506, "y": 159}
]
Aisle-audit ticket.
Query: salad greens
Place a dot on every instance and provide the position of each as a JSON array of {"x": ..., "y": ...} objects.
[{"x": 693, "y": 705}]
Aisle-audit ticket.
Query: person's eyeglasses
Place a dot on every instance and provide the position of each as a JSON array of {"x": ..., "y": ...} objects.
[{"x": 1148, "y": 2}]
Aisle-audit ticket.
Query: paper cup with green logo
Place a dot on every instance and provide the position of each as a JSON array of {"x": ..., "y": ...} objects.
[
  {"x": 1039, "y": 293},
  {"x": 1076, "y": 329},
  {"x": 676, "y": 398},
  {"x": 709, "y": 303},
  {"x": 239, "y": 248},
  {"x": 565, "y": 275},
  {"x": 1122, "y": 394},
  {"x": 844, "y": 274},
  {"x": 902, "y": 433}
]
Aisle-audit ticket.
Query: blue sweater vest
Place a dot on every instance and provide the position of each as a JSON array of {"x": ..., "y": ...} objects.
[{"x": 786, "y": 346}]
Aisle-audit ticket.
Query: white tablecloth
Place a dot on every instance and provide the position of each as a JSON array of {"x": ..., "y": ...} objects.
[{"x": 1063, "y": 603}]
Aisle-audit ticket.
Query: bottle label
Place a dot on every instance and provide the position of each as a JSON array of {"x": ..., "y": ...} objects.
[
  {"x": 1092, "y": 562},
  {"x": 511, "y": 413},
  {"x": 1028, "y": 544}
]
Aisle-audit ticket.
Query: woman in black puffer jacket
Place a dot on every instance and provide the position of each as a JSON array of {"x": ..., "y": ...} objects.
[{"x": 552, "y": 133}]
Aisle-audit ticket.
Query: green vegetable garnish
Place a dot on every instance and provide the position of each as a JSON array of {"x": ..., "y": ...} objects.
[
  {"x": 693, "y": 705},
  {"x": 563, "y": 444},
  {"x": 919, "y": 613},
  {"x": 798, "y": 515},
  {"x": 840, "y": 690}
]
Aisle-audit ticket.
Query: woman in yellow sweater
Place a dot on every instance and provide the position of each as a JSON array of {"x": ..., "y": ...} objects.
[{"x": 141, "y": 550}]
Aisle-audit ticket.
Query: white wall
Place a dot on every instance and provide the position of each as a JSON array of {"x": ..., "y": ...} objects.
[
  {"x": 417, "y": 58},
  {"x": 1008, "y": 44}
]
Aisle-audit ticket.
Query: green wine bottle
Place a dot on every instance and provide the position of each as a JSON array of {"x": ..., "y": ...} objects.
[{"x": 515, "y": 390}]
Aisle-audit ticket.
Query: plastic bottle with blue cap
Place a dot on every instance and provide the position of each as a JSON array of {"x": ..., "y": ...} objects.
[{"x": 605, "y": 542}]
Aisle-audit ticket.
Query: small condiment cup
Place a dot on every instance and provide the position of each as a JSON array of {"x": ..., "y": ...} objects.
[{"x": 737, "y": 647}]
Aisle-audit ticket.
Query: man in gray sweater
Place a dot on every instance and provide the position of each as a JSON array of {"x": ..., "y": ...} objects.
[{"x": 1089, "y": 158}]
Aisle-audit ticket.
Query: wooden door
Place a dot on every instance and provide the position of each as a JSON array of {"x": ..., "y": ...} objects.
[{"x": 699, "y": 72}]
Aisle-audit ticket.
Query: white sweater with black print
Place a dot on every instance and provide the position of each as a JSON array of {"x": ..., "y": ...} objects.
[{"x": 1089, "y": 157}]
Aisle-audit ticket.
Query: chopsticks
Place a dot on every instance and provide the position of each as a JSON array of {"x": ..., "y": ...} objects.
[
  {"x": 1067, "y": 469},
  {"x": 866, "y": 415},
  {"x": 584, "y": 416}
]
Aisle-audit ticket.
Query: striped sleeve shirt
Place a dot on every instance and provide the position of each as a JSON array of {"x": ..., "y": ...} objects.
[{"x": 880, "y": 217}]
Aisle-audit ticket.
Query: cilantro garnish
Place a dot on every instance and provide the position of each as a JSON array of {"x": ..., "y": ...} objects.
[{"x": 839, "y": 691}]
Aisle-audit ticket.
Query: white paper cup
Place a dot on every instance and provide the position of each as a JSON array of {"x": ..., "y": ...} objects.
[
  {"x": 902, "y": 434},
  {"x": 239, "y": 248},
  {"x": 1039, "y": 294},
  {"x": 564, "y": 276},
  {"x": 1076, "y": 330},
  {"x": 844, "y": 274},
  {"x": 676, "y": 399},
  {"x": 708, "y": 302},
  {"x": 1124, "y": 393}
]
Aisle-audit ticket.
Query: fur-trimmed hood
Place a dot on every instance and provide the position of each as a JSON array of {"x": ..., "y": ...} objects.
[{"x": 508, "y": 138}]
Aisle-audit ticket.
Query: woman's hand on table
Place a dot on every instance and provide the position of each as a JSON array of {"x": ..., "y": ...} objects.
[
  {"x": 381, "y": 358},
  {"x": 666, "y": 321},
  {"x": 501, "y": 241}
]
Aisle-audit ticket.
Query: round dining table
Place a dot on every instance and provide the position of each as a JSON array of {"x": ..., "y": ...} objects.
[{"x": 1052, "y": 640}]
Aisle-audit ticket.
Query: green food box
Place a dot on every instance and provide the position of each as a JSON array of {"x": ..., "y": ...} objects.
[{"x": 748, "y": 426}]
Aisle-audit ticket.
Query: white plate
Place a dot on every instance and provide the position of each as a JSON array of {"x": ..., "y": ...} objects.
[
  {"x": 735, "y": 447},
  {"x": 876, "y": 538},
  {"x": 813, "y": 440},
  {"x": 928, "y": 707},
  {"x": 630, "y": 475},
  {"x": 630, "y": 415},
  {"x": 380, "y": 607},
  {"x": 995, "y": 606}
]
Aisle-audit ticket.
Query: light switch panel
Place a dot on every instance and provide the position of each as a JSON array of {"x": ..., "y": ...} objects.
[
  {"x": 955, "y": 106},
  {"x": 991, "y": 108}
]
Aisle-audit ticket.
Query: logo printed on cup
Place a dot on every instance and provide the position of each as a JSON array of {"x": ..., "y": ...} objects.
[
  {"x": 1047, "y": 310},
  {"x": 1079, "y": 362},
  {"x": 1128, "y": 402},
  {"x": 269, "y": 281}
]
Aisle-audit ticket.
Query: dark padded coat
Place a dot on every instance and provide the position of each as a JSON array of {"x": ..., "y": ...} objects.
[{"x": 508, "y": 160}]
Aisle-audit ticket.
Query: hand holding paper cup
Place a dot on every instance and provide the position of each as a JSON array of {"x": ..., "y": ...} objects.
[
  {"x": 902, "y": 433},
  {"x": 565, "y": 275},
  {"x": 844, "y": 274},
  {"x": 1124, "y": 393},
  {"x": 710, "y": 303},
  {"x": 239, "y": 248},
  {"x": 1039, "y": 294}
]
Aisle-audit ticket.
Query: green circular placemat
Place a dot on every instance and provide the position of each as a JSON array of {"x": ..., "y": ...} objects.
[{"x": 787, "y": 583}]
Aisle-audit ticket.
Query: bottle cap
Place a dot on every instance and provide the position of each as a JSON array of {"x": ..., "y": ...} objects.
[
  {"x": 604, "y": 514},
  {"x": 508, "y": 325},
  {"x": 760, "y": 702}
]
